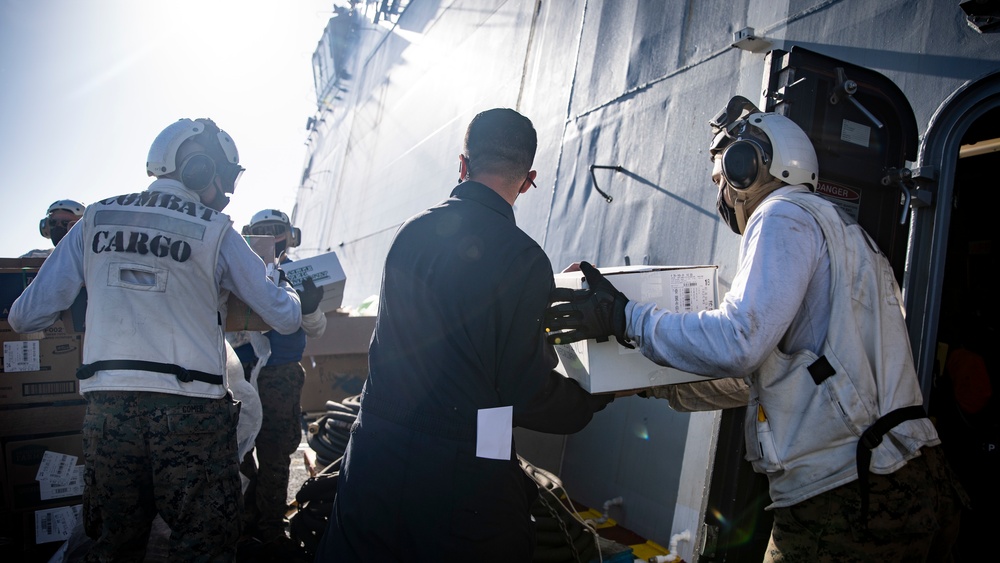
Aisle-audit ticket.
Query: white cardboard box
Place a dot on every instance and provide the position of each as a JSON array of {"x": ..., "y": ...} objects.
[
  {"x": 325, "y": 271},
  {"x": 603, "y": 367}
]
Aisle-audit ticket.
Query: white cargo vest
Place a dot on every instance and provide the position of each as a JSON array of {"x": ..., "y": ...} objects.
[
  {"x": 149, "y": 266},
  {"x": 807, "y": 412}
]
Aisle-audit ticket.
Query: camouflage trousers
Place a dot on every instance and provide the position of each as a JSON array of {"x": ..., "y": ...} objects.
[
  {"x": 913, "y": 515},
  {"x": 153, "y": 453},
  {"x": 266, "y": 500}
]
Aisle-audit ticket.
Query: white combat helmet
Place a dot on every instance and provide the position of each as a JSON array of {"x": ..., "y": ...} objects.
[
  {"x": 68, "y": 205},
  {"x": 275, "y": 223}
]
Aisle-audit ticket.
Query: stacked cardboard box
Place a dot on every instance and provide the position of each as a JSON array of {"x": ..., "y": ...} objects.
[
  {"x": 336, "y": 364},
  {"x": 41, "y": 417}
]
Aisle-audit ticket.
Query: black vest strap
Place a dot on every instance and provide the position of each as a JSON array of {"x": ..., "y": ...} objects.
[
  {"x": 184, "y": 375},
  {"x": 871, "y": 438}
]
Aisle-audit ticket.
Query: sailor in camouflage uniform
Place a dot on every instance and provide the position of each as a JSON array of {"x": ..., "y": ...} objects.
[
  {"x": 279, "y": 384},
  {"x": 813, "y": 336},
  {"x": 160, "y": 426}
]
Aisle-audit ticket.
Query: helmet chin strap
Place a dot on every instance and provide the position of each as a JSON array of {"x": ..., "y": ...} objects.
[{"x": 746, "y": 201}]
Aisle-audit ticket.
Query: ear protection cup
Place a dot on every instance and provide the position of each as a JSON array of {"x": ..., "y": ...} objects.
[
  {"x": 745, "y": 164},
  {"x": 295, "y": 237},
  {"x": 43, "y": 228},
  {"x": 197, "y": 172}
]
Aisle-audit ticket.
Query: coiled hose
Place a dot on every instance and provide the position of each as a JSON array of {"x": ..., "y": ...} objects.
[
  {"x": 560, "y": 535},
  {"x": 328, "y": 436}
]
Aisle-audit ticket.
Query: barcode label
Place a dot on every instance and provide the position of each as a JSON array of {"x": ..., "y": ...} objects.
[
  {"x": 59, "y": 487},
  {"x": 21, "y": 355},
  {"x": 56, "y": 524},
  {"x": 691, "y": 292},
  {"x": 55, "y": 465},
  {"x": 48, "y": 388}
]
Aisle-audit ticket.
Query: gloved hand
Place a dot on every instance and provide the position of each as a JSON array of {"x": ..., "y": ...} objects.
[
  {"x": 310, "y": 296},
  {"x": 598, "y": 312},
  {"x": 277, "y": 275}
]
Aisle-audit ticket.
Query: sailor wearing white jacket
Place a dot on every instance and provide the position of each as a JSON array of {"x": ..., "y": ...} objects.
[
  {"x": 160, "y": 427},
  {"x": 813, "y": 336}
]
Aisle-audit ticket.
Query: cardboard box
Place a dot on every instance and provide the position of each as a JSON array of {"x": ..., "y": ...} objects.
[
  {"x": 602, "y": 367},
  {"x": 325, "y": 272},
  {"x": 22, "y": 420},
  {"x": 331, "y": 378},
  {"x": 343, "y": 335},
  {"x": 58, "y": 329},
  {"x": 21, "y": 263},
  {"x": 62, "y": 482},
  {"x": 15, "y": 275},
  {"x": 239, "y": 315},
  {"x": 336, "y": 364},
  {"x": 7, "y": 333},
  {"x": 40, "y": 371}
]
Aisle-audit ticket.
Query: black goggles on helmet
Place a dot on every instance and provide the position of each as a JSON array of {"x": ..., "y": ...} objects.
[
  {"x": 65, "y": 223},
  {"x": 730, "y": 123},
  {"x": 230, "y": 176},
  {"x": 269, "y": 229}
]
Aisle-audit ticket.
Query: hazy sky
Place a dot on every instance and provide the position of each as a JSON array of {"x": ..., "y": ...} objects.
[{"x": 85, "y": 86}]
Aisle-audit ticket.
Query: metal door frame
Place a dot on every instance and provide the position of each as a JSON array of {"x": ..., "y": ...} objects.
[{"x": 934, "y": 174}]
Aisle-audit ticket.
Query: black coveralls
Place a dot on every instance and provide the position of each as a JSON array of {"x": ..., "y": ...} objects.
[{"x": 459, "y": 329}]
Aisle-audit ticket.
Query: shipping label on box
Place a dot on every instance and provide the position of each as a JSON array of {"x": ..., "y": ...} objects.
[
  {"x": 56, "y": 457},
  {"x": 325, "y": 271},
  {"x": 41, "y": 371},
  {"x": 56, "y": 524},
  {"x": 602, "y": 367}
]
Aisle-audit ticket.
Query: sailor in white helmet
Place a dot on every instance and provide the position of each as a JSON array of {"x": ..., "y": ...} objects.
[
  {"x": 160, "y": 427},
  {"x": 279, "y": 384},
  {"x": 59, "y": 219},
  {"x": 811, "y": 339}
]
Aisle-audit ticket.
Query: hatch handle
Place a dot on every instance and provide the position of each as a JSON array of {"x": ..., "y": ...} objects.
[
  {"x": 847, "y": 88},
  {"x": 593, "y": 177},
  {"x": 902, "y": 177},
  {"x": 906, "y": 203}
]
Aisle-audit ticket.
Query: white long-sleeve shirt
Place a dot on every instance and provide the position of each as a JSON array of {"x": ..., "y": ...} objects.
[
  {"x": 782, "y": 287},
  {"x": 814, "y": 323},
  {"x": 237, "y": 269}
]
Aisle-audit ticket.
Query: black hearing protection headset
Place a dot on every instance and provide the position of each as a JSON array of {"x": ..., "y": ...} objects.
[
  {"x": 197, "y": 171},
  {"x": 745, "y": 164}
]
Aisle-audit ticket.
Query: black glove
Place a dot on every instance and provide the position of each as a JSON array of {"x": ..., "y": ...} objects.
[
  {"x": 310, "y": 296},
  {"x": 281, "y": 276},
  {"x": 598, "y": 312}
]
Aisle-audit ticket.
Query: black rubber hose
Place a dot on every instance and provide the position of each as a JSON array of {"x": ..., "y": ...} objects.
[
  {"x": 327, "y": 452},
  {"x": 345, "y": 417},
  {"x": 353, "y": 402},
  {"x": 337, "y": 407}
]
